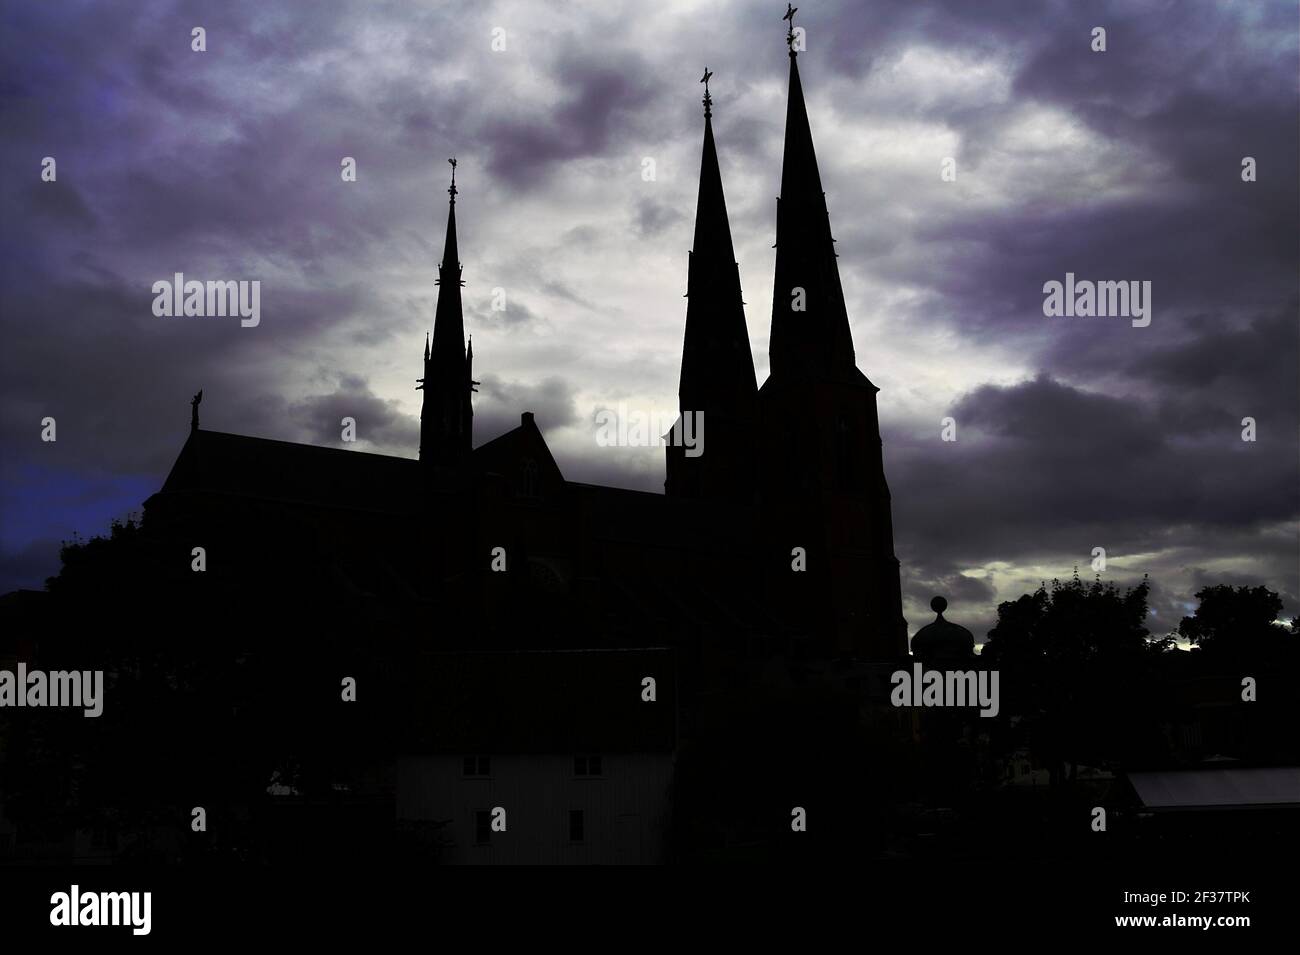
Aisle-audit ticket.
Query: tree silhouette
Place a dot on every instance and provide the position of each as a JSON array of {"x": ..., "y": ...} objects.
[
  {"x": 1239, "y": 624},
  {"x": 1078, "y": 671},
  {"x": 216, "y": 685}
]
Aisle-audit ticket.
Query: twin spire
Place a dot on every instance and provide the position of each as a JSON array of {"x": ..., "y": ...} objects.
[
  {"x": 810, "y": 328},
  {"x": 810, "y": 325}
]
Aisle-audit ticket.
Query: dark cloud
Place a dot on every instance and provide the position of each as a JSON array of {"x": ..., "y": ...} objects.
[
  {"x": 1047, "y": 461},
  {"x": 500, "y": 404},
  {"x": 515, "y": 316},
  {"x": 652, "y": 217},
  {"x": 603, "y": 91},
  {"x": 563, "y": 291},
  {"x": 58, "y": 203},
  {"x": 378, "y": 424},
  {"x": 1048, "y": 472}
]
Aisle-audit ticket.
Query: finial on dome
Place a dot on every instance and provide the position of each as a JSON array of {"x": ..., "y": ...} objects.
[{"x": 941, "y": 639}]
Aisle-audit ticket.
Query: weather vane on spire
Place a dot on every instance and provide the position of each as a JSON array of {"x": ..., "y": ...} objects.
[
  {"x": 708, "y": 100},
  {"x": 790, "y": 11},
  {"x": 451, "y": 191}
]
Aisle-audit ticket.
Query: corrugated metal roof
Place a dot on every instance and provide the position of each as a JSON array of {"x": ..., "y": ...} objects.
[{"x": 1203, "y": 788}]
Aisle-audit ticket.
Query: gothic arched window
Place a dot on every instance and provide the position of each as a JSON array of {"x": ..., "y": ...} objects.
[{"x": 528, "y": 478}]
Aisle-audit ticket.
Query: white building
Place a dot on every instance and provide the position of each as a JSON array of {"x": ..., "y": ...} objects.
[{"x": 543, "y": 757}]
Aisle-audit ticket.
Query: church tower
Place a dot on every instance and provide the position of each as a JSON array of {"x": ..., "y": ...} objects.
[
  {"x": 717, "y": 392},
  {"x": 824, "y": 487},
  {"x": 446, "y": 416}
]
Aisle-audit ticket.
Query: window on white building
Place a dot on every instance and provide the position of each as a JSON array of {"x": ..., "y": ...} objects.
[{"x": 586, "y": 766}]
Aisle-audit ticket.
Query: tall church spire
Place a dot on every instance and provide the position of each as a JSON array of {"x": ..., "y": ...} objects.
[
  {"x": 446, "y": 419},
  {"x": 810, "y": 324},
  {"x": 824, "y": 487},
  {"x": 717, "y": 388}
]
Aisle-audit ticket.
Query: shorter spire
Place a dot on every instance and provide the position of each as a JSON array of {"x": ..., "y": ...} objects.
[
  {"x": 426, "y": 346},
  {"x": 447, "y": 418}
]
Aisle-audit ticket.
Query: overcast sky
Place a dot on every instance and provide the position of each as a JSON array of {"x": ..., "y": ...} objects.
[{"x": 1072, "y": 433}]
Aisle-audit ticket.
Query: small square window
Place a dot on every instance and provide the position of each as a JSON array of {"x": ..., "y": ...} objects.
[
  {"x": 482, "y": 827},
  {"x": 586, "y": 766},
  {"x": 576, "y": 825}
]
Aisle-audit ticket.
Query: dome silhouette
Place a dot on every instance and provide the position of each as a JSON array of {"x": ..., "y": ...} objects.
[{"x": 943, "y": 639}]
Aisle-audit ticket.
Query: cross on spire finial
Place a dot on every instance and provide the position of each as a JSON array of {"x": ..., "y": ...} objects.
[
  {"x": 708, "y": 100},
  {"x": 451, "y": 191},
  {"x": 790, "y": 11}
]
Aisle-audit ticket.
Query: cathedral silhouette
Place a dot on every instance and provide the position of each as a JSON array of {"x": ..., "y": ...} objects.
[
  {"x": 533, "y": 669},
  {"x": 781, "y": 529}
]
